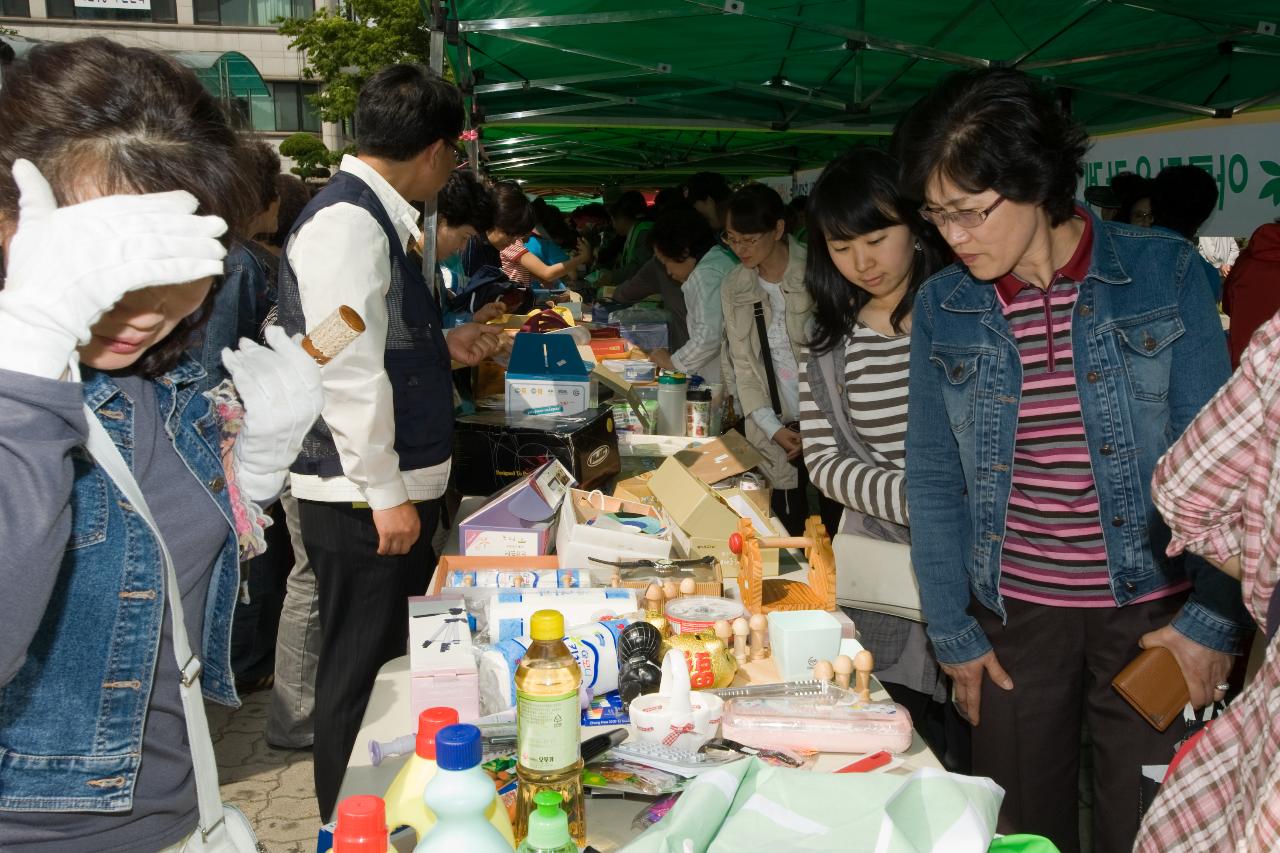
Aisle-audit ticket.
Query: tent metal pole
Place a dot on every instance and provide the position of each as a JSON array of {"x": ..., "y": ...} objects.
[
  {"x": 763, "y": 91},
  {"x": 482, "y": 25},
  {"x": 486, "y": 88},
  {"x": 436, "y": 61},
  {"x": 1156, "y": 47},
  {"x": 1089, "y": 7},
  {"x": 1195, "y": 109},
  {"x": 946, "y": 30},
  {"x": 872, "y": 41},
  {"x": 1254, "y": 102}
]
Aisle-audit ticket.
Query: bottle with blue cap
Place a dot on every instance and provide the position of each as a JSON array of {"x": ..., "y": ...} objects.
[{"x": 460, "y": 795}]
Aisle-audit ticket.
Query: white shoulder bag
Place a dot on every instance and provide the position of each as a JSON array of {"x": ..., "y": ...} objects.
[
  {"x": 222, "y": 828},
  {"x": 873, "y": 557}
]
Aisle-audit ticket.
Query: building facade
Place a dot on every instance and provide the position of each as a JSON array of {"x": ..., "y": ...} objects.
[{"x": 232, "y": 45}]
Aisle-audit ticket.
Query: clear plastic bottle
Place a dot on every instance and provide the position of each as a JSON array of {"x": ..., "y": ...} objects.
[
  {"x": 460, "y": 796},
  {"x": 548, "y": 827},
  {"x": 548, "y": 719},
  {"x": 361, "y": 825}
]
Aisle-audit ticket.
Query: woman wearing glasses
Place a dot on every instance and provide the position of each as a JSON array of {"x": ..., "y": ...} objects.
[
  {"x": 766, "y": 315},
  {"x": 1050, "y": 369}
]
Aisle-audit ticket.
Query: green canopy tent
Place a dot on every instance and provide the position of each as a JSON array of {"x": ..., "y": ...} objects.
[{"x": 572, "y": 93}]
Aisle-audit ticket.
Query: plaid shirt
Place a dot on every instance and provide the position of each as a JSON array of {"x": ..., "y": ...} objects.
[{"x": 1219, "y": 488}]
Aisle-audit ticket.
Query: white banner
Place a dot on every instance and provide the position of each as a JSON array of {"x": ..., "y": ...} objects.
[
  {"x": 1244, "y": 158},
  {"x": 137, "y": 5}
]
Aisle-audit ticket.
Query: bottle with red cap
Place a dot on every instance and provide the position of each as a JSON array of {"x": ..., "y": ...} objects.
[
  {"x": 405, "y": 806},
  {"x": 362, "y": 825}
]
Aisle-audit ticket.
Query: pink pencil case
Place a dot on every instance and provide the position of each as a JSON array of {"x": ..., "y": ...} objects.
[{"x": 817, "y": 723}]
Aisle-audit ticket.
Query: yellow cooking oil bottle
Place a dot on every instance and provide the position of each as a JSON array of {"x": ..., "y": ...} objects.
[{"x": 548, "y": 722}]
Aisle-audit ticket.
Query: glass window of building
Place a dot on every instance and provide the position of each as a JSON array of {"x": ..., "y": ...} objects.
[
  {"x": 155, "y": 10},
  {"x": 250, "y": 13},
  {"x": 288, "y": 110},
  {"x": 15, "y": 8}
]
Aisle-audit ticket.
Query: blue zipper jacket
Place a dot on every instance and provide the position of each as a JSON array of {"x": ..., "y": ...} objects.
[
  {"x": 1149, "y": 353},
  {"x": 73, "y": 707}
]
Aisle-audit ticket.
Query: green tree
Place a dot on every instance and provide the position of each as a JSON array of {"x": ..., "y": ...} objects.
[
  {"x": 311, "y": 155},
  {"x": 345, "y": 46}
]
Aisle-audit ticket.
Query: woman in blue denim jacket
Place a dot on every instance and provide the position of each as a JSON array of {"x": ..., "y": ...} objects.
[
  {"x": 1050, "y": 369},
  {"x": 118, "y": 177}
]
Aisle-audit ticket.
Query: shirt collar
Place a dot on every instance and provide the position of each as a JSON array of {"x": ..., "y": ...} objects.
[
  {"x": 403, "y": 214},
  {"x": 1008, "y": 286}
]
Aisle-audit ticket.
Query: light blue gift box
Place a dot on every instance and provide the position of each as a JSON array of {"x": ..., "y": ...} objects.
[{"x": 800, "y": 639}]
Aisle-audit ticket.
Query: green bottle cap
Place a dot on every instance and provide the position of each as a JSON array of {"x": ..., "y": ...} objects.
[{"x": 549, "y": 825}]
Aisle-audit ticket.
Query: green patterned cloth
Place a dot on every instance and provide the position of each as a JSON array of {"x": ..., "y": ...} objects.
[{"x": 750, "y": 805}]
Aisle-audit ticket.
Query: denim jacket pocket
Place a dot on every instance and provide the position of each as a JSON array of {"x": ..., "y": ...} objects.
[
  {"x": 960, "y": 390},
  {"x": 1146, "y": 347},
  {"x": 89, "y": 508}
]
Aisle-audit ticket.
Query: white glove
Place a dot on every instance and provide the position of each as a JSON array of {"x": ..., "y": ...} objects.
[
  {"x": 67, "y": 266},
  {"x": 280, "y": 389}
]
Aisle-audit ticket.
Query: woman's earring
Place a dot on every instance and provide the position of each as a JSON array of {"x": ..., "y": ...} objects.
[{"x": 919, "y": 248}]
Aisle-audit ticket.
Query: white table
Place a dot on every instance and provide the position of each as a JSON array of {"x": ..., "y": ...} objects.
[{"x": 608, "y": 820}]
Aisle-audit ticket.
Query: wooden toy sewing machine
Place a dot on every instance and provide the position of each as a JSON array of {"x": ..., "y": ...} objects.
[{"x": 761, "y": 595}]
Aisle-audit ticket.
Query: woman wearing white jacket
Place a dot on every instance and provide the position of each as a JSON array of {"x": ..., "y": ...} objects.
[{"x": 766, "y": 292}]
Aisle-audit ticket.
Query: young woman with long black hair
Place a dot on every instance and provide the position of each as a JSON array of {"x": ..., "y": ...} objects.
[{"x": 868, "y": 253}]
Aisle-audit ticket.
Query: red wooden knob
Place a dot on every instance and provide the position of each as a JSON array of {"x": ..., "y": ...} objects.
[{"x": 735, "y": 543}]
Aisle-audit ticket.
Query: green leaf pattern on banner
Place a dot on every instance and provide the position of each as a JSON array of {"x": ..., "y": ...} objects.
[{"x": 1272, "y": 187}]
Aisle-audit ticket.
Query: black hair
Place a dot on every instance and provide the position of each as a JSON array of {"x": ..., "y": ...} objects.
[
  {"x": 681, "y": 233},
  {"x": 755, "y": 209},
  {"x": 512, "y": 212},
  {"x": 1129, "y": 188},
  {"x": 1182, "y": 198},
  {"x": 994, "y": 129},
  {"x": 630, "y": 205},
  {"x": 294, "y": 196},
  {"x": 464, "y": 200},
  {"x": 666, "y": 197},
  {"x": 262, "y": 164},
  {"x": 403, "y": 109},
  {"x": 707, "y": 185},
  {"x": 554, "y": 225},
  {"x": 856, "y": 194},
  {"x": 124, "y": 120}
]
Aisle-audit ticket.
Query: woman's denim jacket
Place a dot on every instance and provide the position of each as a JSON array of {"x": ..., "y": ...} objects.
[
  {"x": 1149, "y": 352},
  {"x": 71, "y": 720}
]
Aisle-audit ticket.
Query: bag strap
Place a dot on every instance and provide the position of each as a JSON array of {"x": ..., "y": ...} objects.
[
  {"x": 203, "y": 761},
  {"x": 767, "y": 357}
]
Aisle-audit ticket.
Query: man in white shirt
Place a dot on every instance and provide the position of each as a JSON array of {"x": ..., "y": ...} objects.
[{"x": 372, "y": 469}]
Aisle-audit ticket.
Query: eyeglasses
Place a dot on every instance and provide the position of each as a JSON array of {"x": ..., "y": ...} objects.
[
  {"x": 741, "y": 242},
  {"x": 963, "y": 218}
]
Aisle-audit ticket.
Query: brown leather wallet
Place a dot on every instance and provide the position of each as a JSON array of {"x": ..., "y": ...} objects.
[{"x": 1154, "y": 685}]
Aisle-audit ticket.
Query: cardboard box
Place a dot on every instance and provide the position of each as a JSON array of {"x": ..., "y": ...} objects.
[
  {"x": 547, "y": 376},
  {"x": 577, "y": 541},
  {"x": 497, "y": 564},
  {"x": 636, "y": 489},
  {"x": 720, "y": 458},
  {"x": 517, "y": 521},
  {"x": 704, "y": 520},
  {"x": 442, "y": 668},
  {"x": 493, "y": 449}
]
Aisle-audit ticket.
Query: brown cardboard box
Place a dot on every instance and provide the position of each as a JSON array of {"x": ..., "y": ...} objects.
[
  {"x": 720, "y": 458},
  {"x": 507, "y": 564},
  {"x": 704, "y": 521}
]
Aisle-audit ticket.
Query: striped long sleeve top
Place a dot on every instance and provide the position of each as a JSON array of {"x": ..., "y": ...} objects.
[{"x": 875, "y": 391}]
